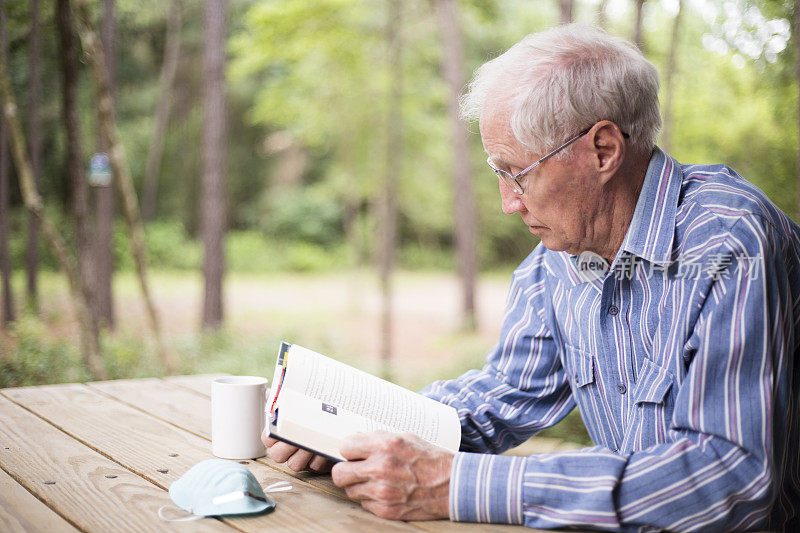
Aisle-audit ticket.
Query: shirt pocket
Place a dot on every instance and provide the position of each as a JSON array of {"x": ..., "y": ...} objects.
[
  {"x": 652, "y": 417},
  {"x": 580, "y": 365},
  {"x": 653, "y": 384}
]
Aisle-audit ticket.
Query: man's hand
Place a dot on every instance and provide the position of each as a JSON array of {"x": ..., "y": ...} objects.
[
  {"x": 295, "y": 458},
  {"x": 401, "y": 477}
]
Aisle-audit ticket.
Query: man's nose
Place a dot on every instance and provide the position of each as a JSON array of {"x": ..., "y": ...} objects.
[{"x": 510, "y": 201}]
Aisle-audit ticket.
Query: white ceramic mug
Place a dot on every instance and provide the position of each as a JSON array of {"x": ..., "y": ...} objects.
[{"x": 237, "y": 417}]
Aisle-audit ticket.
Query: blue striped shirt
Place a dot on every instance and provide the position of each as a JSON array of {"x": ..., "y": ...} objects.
[{"x": 681, "y": 358}]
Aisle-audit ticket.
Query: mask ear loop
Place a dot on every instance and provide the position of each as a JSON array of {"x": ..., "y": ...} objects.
[{"x": 188, "y": 518}]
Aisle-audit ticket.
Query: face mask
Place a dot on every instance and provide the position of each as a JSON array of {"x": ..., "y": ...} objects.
[{"x": 217, "y": 487}]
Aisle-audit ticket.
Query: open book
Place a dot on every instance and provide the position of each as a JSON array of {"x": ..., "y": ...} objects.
[{"x": 315, "y": 402}]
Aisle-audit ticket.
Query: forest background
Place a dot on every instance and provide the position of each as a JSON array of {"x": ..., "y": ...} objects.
[{"x": 296, "y": 172}]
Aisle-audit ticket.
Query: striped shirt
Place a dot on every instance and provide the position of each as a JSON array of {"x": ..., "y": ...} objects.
[{"x": 681, "y": 358}]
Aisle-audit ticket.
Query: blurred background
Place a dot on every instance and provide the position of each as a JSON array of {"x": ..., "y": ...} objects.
[{"x": 185, "y": 183}]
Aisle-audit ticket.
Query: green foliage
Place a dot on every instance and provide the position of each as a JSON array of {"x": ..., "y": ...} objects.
[
  {"x": 224, "y": 352},
  {"x": 289, "y": 44},
  {"x": 426, "y": 256},
  {"x": 250, "y": 251},
  {"x": 310, "y": 215},
  {"x": 307, "y": 257},
  {"x": 168, "y": 247},
  {"x": 35, "y": 359},
  {"x": 130, "y": 356}
]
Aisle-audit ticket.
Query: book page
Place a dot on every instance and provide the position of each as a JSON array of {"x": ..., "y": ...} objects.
[{"x": 381, "y": 404}]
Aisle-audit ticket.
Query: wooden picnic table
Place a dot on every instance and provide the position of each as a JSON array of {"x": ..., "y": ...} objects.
[{"x": 101, "y": 457}]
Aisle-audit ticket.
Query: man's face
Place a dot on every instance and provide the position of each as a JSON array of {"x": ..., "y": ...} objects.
[{"x": 560, "y": 201}]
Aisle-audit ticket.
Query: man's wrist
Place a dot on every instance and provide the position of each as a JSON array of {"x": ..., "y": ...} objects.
[{"x": 442, "y": 491}]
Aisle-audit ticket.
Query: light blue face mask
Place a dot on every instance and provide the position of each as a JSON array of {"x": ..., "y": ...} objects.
[{"x": 216, "y": 487}]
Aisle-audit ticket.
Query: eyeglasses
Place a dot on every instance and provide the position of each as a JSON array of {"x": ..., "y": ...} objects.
[{"x": 512, "y": 180}]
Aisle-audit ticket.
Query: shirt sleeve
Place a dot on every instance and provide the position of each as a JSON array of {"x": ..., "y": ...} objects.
[
  {"x": 523, "y": 388},
  {"x": 716, "y": 471}
]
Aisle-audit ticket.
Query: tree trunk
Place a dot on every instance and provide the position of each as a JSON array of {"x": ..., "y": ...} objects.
[
  {"x": 212, "y": 193},
  {"x": 90, "y": 348},
  {"x": 638, "y": 39},
  {"x": 5, "y": 203},
  {"x": 34, "y": 140},
  {"x": 669, "y": 82},
  {"x": 464, "y": 203},
  {"x": 796, "y": 31},
  {"x": 566, "y": 10},
  {"x": 602, "y": 16},
  {"x": 104, "y": 196},
  {"x": 394, "y": 157},
  {"x": 169, "y": 68},
  {"x": 121, "y": 174},
  {"x": 79, "y": 191}
]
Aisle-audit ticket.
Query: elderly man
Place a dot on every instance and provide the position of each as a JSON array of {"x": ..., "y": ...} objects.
[{"x": 663, "y": 302}]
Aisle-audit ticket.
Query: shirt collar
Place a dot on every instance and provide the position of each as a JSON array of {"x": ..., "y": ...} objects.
[{"x": 652, "y": 228}]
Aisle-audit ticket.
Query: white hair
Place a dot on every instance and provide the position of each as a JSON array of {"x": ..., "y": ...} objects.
[{"x": 566, "y": 79}]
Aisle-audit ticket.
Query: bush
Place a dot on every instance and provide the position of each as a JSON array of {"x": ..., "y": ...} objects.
[
  {"x": 33, "y": 360},
  {"x": 130, "y": 356},
  {"x": 168, "y": 247},
  {"x": 415, "y": 256},
  {"x": 212, "y": 352},
  {"x": 309, "y": 215},
  {"x": 250, "y": 251},
  {"x": 306, "y": 257}
]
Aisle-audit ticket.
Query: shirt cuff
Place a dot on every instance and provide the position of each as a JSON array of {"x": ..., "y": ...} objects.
[{"x": 486, "y": 488}]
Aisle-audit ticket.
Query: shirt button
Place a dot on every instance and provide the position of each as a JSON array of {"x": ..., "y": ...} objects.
[
  {"x": 621, "y": 388},
  {"x": 613, "y": 310}
]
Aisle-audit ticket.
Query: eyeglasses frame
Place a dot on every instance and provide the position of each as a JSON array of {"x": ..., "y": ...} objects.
[{"x": 512, "y": 180}]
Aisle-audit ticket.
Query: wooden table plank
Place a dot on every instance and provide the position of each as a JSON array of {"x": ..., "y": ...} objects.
[
  {"x": 183, "y": 408},
  {"x": 21, "y": 512},
  {"x": 143, "y": 444},
  {"x": 178, "y": 405},
  {"x": 73, "y": 480},
  {"x": 200, "y": 383},
  {"x": 445, "y": 526}
]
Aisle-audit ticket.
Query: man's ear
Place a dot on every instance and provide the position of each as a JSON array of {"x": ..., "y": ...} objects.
[{"x": 608, "y": 148}]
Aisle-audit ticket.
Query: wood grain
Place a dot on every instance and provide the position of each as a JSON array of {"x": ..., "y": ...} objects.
[
  {"x": 21, "y": 512},
  {"x": 200, "y": 383},
  {"x": 147, "y": 446},
  {"x": 72, "y": 479},
  {"x": 445, "y": 526},
  {"x": 179, "y": 406}
]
